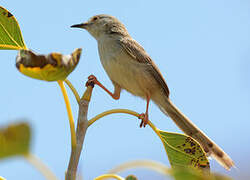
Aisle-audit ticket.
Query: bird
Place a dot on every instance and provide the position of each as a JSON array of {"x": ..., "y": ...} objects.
[{"x": 130, "y": 67}]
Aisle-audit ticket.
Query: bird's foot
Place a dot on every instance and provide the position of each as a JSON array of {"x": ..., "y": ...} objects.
[
  {"x": 144, "y": 119},
  {"x": 92, "y": 80}
]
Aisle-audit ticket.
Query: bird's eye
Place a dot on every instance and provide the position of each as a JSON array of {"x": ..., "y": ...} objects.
[{"x": 95, "y": 18}]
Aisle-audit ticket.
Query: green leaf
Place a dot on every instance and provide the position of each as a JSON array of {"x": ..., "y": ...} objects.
[
  {"x": 186, "y": 173},
  {"x": 14, "y": 140},
  {"x": 183, "y": 151},
  {"x": 131, "y": 177},
  {"x": 191, "y": 174},
  {"x": 51, "y": 67},
  {"x": 10, "y": 33}
]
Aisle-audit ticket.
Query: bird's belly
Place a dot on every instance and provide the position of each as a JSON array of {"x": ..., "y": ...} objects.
[
  {"x": 129, "y": 75},
  {"x": 125, "y": 71}
]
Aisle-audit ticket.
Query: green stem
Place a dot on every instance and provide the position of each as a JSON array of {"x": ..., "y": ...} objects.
[
  {"x": 70, "y": 115},
  {"x": 125, "y": 111},
  {"x": 113, "y": 111},
  {"x": 73, "y": 90}
]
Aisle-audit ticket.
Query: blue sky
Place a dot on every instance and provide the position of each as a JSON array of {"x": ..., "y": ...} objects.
[{"x": 201, "y": 48}]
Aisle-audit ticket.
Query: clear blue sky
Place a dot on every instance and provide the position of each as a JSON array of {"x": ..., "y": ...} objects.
[{"x": 201, "y": 47}]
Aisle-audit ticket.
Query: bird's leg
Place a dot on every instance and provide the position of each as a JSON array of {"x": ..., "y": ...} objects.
[
  {"x": 144, "y": 116},
  {"x": 92, "y": 80}
]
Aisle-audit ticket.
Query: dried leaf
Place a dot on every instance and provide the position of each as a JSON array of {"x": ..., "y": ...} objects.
[{"x": 51, "y": 67}]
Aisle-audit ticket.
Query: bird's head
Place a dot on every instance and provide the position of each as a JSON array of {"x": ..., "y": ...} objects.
[{"x": 103, "y": 24}]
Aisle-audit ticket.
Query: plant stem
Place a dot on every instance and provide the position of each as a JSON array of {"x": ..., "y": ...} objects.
[
  {"x": 40, "y": 166},
  {"x": 70, "y": 116},
  {"x": 112, "y": 111},
  {"x": 82, "y": 125},
  {"x": 125, "y": 111},
  {"x": 108, "y": 176},
  {"x": 148, "y": 164},
  {"x": 73, "y": 90}
]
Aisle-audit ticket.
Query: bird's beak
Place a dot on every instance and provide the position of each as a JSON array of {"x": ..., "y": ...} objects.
[{"x": 82, "y": 25}]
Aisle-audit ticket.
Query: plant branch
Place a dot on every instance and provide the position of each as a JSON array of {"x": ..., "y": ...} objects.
[
  {"x": 70, "y": 115},
  {"x": 126, "y": 111},
  {"x": 112, "y": 111},
  {"x": 73, "y": 90},
  {"x": 82, "y": 125},
  {"x": 40, "y": 166}
]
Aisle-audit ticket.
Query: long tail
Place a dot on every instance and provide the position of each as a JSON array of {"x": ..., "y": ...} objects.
[{"x": 192, "y": 130}]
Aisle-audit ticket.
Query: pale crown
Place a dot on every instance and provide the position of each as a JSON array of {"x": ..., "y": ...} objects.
[{"x": 100, "y": 25}]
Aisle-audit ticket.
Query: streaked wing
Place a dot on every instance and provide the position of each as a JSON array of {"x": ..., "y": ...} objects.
[{"x": 135, "y": 50}]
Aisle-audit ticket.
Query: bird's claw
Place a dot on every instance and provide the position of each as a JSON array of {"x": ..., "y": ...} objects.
[
  {"x": 144, "y": 119},
  {"x": 92, "y": 80}
]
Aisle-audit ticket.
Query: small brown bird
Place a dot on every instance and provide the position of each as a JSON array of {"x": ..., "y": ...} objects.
[{"x": 129, "y": 67}]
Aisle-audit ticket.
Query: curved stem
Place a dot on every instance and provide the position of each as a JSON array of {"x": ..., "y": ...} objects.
[
  {"x": 40, "y": 166},
  {"x": 126, "y": 111},
  {"x": 107, "y": 176},
  {"x": 148, "y": 164},
  {"x": 156, "y": 130},
  {"x": 72, "y": 88},
  {"x": 113, "y": 111},
  {"x": 70, "y": 116}
]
